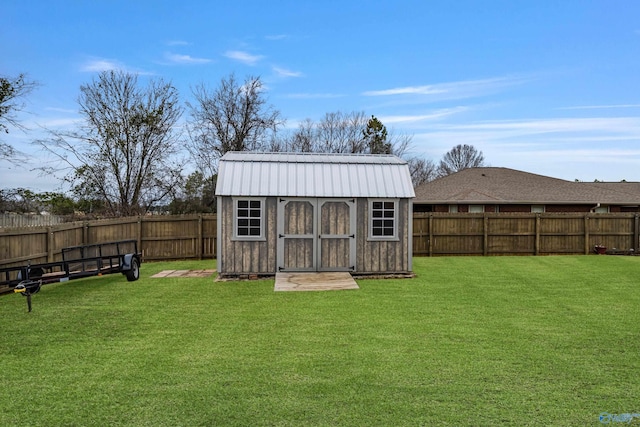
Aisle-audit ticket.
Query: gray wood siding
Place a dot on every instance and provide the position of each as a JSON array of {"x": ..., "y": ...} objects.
[
  {"x": 299, "y": 220},
  {"x": 298, "y": 254},
  {"x": 247, "y": 257},
  {"x": 239, "y": 257},
  {"x": 298, "y": 217},
  {"x": 335, "y": 253},
  {"x": 335, "y": 224},
  {"x": 334, "y": 218},
  {"x": 383, "y": 256}
]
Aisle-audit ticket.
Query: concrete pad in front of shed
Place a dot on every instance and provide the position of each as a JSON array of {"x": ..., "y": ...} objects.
[{"x": 325, "y": 281}]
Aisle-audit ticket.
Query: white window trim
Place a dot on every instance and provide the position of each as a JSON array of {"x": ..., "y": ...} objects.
[
  {"x": 476, "y": 206},
  {"x": 533, "y": 208},
  {"x": 262, "y": 201},
  {"x": 395, "y": 220},
  {"x": 602, "y": 209},
  {"x": 453, "y": 208}
]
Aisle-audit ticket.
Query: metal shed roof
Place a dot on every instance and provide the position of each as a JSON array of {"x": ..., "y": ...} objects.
[{"x": 313, "y": 175}]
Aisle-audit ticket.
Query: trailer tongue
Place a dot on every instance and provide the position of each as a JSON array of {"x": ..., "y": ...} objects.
[
  {"x": 77, "y": 262},
  {"x": 28, "y": 288}
]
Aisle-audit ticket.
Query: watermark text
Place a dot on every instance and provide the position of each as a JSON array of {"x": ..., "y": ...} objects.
[{"x": 607, "y": 418}]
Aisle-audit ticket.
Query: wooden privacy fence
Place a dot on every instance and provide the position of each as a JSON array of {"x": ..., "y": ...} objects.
[
  {"x": 28, "y": 220},
  {"x": 194, "y": 236},
  {"x": 158, "y": 237},
  {"x": 522, "y": 234}
]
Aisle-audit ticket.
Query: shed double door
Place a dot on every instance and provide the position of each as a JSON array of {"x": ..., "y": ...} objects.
[{"x": 316, "y": 234}]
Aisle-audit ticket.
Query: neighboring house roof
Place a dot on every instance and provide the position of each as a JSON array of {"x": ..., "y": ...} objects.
[
  {"x": 313, "y": 175},
  {"x": 503, "y": 185}
]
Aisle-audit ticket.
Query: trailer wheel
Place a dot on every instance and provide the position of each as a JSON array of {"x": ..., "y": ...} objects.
[
  {"x": 134, "y": 273},
  {"x": 36, "y": 272}
]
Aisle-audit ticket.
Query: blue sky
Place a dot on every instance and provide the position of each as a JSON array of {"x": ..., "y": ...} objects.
[{"x": 548, "y": 87}]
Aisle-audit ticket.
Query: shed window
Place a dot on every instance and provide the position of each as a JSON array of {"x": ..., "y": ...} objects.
[
  {"x": 248, "y": 217},
  {"x": 383, "y": 223}
]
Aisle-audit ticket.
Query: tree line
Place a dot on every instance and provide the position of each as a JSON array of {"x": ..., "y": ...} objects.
[{"x": 131, "y": 152}]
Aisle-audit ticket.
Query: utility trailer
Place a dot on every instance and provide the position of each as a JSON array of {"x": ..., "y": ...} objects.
[{"x": 77, "y": 262}]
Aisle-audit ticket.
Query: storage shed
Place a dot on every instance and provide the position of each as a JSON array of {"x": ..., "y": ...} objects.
[{"x": 291, "y": 212}]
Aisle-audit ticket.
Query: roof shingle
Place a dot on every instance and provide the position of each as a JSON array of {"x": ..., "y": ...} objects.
[{"x": 503, "y": 185}]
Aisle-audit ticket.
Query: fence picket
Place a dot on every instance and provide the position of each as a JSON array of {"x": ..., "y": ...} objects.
[{"x": 194, "y": 236}]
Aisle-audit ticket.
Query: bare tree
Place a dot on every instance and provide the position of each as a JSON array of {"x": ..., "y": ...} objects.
[
  {"x": 339, "y": 132},
  {"x": 399, "y": 143},
  {"x": 303, "y": 138},
  {"x": 422, "y": 170},
  {"x": 12, "y": 93},
  {"x": 233, "y": 117},
  {"x": 122, "y": 154},
  {"x": 336, "y": 132},
  {"x": 300, "y": 140},
  {"x": 460, "y": 157}
]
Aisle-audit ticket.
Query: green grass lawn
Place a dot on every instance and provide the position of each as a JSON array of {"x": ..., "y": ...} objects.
[{"x": 470, "y": 341}]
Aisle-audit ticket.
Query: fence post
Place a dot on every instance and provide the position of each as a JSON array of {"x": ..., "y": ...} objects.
[
  {"x": 636, "y": 233},
  {"x": 85, "y": 233},
  {"x": 485, "y": 240},
  {"x": 49, "y": 244},
  {"x": 200, "y": 237},
  {"x": 430, "y": 236},
  {"x": 139, "y": 237},
  {"x": 586, "y": 234},
  {"x": 537, "y": 238}
]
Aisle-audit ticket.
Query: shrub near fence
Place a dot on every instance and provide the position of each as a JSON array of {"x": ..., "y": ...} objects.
[{"x": 194, "y": 236}]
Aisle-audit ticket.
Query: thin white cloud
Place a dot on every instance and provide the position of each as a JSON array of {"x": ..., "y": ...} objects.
[
  {"x": 568, "y": 148},
  {"x": 283, "y": 72},
  {"x": 413, "y": 90},
  {"x": 185, "y": 59},
  {"x": 599, "y": 107},
  {"x": 177, "y": 43},
  {"x": 609, "y": 125},
  {"x": 61, "y": 110},
  {"x": 244, "y": 57},
  {"x": 582, "y": 164},
  {"x": 452, "y": 90},
  {"x": 100, "y": 64},
  {"x": 436, "y": 115},
  {"x": 60, "y": 123},
  {"x": 510, "y": 135},
  {"x": 590, "y": 154},
  {"x": 97, "y": 65},
  {"x": 276, "y": 37},
  {"x": 313, "y": 95}
]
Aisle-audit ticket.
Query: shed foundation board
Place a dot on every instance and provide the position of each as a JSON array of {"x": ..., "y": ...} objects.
[{"x": 325, "y": 281}]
